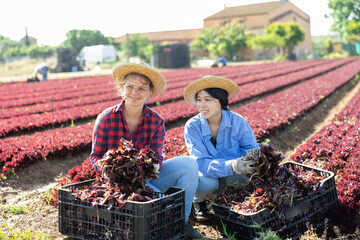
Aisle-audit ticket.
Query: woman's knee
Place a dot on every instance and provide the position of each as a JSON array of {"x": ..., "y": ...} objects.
[
  {"x": 186, "y": 163},
  {"x": 208, "y": 185}
]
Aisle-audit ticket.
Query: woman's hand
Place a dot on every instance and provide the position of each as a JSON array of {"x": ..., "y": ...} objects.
[{"x": 241, "y": 166}]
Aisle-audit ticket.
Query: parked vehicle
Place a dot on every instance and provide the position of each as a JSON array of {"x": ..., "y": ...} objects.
[{"x": 97, "y": 54}]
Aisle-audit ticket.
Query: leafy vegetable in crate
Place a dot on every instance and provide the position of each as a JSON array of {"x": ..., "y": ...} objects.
[
  {"x": 102, "y": 193},
  {"x": 273, "y": 186},
  {"x": 129, "y": 168},
  {"x": 268, "y": 161},
  {"x": 124, "y": 173}
]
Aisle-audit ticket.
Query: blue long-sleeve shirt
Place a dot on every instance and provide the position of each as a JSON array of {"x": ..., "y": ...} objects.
[{"x": 234, "y": 139}]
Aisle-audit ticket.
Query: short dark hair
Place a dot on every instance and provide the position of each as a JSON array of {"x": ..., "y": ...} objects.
[{"x": 220, "y": 94}]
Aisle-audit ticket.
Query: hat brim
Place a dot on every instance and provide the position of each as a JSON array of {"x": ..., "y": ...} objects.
[
  {"x": 209, "y": 82},
  {"x": 157, "y": 79}
]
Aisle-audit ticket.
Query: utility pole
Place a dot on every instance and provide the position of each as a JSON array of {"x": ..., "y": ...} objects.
[
  {"x": 27, "y": 41},
  {"x": 127, "y": 47}
]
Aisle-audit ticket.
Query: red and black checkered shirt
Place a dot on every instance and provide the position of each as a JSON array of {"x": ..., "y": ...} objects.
[{"x": 110, "y": 127}]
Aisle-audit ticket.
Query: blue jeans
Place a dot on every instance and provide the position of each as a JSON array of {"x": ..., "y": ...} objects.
[
  {"x": 44, "y": 73},
  {"x": 209, "y": 185},
  {"x": 180, "y": 172}
]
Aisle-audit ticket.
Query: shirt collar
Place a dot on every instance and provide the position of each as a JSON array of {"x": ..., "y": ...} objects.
[
  {"x": 205, "y": 129},
  {"x": 120, "y": 108},
  {"x": 225, "y": 121}
]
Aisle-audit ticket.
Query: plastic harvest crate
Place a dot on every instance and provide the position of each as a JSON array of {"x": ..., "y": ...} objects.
[
  {"x": 310, "y": 209},
  {"x": 162, "y": 218}
]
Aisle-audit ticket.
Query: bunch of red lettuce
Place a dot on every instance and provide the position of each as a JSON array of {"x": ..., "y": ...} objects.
[
  {"x": 273, "y": 186},
  {"x": 127, "y": 167},
  {"x": 103, "y": 193},
  {"x": 124, "y": 172}
]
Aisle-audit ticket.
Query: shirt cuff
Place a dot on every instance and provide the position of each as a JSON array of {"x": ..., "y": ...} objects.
[{"x": 228, "y": 168}]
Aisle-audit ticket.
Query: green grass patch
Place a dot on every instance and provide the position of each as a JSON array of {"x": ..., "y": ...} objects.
[
  {"x": 14, "y": 210},
  {"x": 8, "y": 233}
]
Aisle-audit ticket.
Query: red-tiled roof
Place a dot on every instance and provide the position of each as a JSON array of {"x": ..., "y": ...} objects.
[
  {"x": 252, "y": 9},
  {"x": 176, "y": 35}
]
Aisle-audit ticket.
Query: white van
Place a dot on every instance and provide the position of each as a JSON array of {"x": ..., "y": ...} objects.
[{"x": 97, "y": 54}]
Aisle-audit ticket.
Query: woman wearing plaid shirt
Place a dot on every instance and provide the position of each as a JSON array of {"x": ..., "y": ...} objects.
[{"x": 134, "y": 121}]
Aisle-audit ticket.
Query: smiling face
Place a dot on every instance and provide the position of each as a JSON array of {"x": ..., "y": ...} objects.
[
  {"x": 136, "y": 90},
  {"x": 208, "y": 106}
]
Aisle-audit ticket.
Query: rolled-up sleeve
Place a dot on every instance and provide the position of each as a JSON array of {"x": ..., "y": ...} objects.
[
  {"x": 157, "y": 142},
  {"x": 247, "y": 139},
  {"x": 99, "y": 140}
]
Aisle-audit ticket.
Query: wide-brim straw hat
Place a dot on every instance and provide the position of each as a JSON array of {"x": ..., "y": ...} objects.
[
  {"x": 209, "y": 82},
  {"x": 157, "y": 79}
]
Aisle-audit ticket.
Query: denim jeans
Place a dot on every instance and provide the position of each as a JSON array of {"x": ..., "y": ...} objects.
[
  {"x": 44, "y": 71},
  {"x": 180, "y": 172},
  {"x": 209, "y": 185}
]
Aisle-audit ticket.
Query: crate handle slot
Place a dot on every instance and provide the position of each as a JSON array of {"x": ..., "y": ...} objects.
[{"x": 293, "y": 212}]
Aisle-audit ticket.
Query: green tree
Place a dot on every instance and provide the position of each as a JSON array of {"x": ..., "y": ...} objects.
[
  {"x": 15, "y": 51},
  {"x": 41, "y": 52},
  {"x": 328, "y": 46},
  {"x": 138, "y": 46},
  {"x": 352, "y": 31},
  {"x": 10, "y": 48},
  {"x": 343, "y": 12},
  {"x": 264, "y": 42},
  {"x": 234, "y": 37},
  {"x": 286, "y": 35},
  {"x": 77, "y": 39},
  {"x": 148, "y": 51},
  {"x": 209, "y": 41},
  {"x": 217, "y": 41},
  {"x": 277, "y": 32},
  {"x": 6, "y": 44}
]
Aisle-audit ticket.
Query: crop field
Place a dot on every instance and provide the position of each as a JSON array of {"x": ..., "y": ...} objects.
[{"x": 310, "y": 110}]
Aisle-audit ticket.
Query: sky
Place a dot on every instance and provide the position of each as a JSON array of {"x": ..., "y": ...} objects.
[{"x": 49, "y": 20}]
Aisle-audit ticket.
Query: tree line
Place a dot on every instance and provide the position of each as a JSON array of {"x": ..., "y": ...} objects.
[
  {"x": 231, "y": 38},
  {"x": 75, "y": 41},
  {"x": 214, "y": 41}
]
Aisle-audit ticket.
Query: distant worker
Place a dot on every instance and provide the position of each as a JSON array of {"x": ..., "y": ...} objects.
[
  {"x": 221, "y": 60},
  {"x": 42, "y": 69}
]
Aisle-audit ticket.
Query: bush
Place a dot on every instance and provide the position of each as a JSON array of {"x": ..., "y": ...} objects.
[
  {"x": 340, "y": 54},
  {"x": 279, "y": 58},
  {"x": 41, "y": 52}
]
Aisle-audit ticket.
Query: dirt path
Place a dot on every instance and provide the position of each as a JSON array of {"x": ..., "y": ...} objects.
[
  {"x": 28, "y": 187},
  {"x": 297, "y": 133}
]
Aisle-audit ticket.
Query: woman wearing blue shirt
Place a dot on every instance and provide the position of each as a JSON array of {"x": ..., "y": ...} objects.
[{"x": 217, "y": 138}]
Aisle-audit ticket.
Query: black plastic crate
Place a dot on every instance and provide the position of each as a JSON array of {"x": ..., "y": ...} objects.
[
  {"x": 310, "y": 209},
  {"x": 162, "y": 218}
]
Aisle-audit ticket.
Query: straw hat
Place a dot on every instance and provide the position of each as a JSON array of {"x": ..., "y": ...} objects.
[
  {"x": 209, "y": 82},
  {"x": 157, "y": 79}
]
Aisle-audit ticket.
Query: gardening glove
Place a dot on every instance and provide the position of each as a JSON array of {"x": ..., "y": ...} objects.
[
  {"x": 156, "y": 167},
  {"x": 242, "y": 166}
]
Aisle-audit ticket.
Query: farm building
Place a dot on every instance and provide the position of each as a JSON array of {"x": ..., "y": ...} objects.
[
  {"x": 170, "y": 37},
  {"x": 255, "y": 17},
  {"x": 31, "y": 40}
]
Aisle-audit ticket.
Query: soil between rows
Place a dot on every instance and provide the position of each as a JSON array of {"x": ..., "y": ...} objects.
[{"x": 28, "y": 187}]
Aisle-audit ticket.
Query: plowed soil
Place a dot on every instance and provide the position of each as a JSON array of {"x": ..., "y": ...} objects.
[{"x": 28, "y": 187}]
